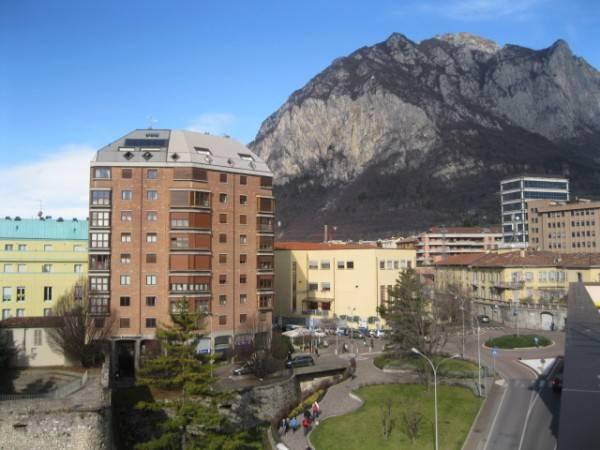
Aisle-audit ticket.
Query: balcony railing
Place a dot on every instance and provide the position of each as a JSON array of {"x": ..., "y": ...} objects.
[
  {"x": 316, "y": 312},
  {"x": 508, "y": 284}
]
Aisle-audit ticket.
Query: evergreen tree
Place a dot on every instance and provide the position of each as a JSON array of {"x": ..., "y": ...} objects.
[{"x": 196, "y": 422}]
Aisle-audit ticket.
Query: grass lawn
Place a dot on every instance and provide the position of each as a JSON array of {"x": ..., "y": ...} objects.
[
  {"x": 513, "y": 341},
  {"x": 362, "y": 429},
  {"x": 450, "y": 367}
]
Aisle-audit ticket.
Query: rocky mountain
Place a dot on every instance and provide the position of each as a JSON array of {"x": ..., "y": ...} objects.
[{"x": 402, "y": 135}]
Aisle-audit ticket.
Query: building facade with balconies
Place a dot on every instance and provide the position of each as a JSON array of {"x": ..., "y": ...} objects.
[
  {"x": 40, "y": 260},
  {"x": 517, "y": 276},
  {"x": 318, "y": 283},
  {"x": 181, "y": 216}
]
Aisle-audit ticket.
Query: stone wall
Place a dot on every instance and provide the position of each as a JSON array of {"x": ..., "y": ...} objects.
[
  {"x": 532, "y": 317},
  {"x": 79, "y": 421}
]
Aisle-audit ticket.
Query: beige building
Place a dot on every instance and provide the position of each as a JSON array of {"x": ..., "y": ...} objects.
[
  {"x": 28, "y": 336},
  {"x": 567, "y": 227},
  {"x": 317, "y": 281},
  {"x": 517, "y": 276}
]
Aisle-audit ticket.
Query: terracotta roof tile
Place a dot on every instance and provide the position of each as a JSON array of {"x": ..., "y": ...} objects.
[
  {"x": 527, "y": 258},
  {"x": 296, "y": 245}
]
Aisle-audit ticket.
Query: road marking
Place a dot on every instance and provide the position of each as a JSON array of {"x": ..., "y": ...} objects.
[
  {"x": 495, "y": 418},
  {"x": 532, "y": 401}
]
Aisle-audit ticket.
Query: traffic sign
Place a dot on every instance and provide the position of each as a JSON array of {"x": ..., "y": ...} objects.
[
  {"x": 494, "y": 351},
  {"x": 536, "y": 340}
]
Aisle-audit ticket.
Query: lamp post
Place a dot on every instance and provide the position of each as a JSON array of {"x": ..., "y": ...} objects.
[
  {"x": 211, "y": 350},
  {"x": 478, "y": 360},
  {"x": 434, "y": 368},
  {"x": 462, "y": 309}
]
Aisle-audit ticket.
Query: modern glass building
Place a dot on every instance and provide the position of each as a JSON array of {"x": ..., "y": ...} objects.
[{"x": 514, "y": 194}]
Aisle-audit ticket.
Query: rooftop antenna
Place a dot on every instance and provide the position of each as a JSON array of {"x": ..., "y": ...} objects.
[
  {"x": 40, "y": 213},
  {"x": 151, "y": 122}
]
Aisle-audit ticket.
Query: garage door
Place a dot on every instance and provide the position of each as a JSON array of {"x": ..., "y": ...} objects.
[{"x": 547, "y": 319}]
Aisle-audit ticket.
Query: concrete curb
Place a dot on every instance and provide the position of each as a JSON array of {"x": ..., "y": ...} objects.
[
  {"x": 472, "y": 427},
  {"x": 520, "y": 349}
]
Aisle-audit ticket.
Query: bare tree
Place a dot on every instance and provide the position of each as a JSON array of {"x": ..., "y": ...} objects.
[
  {"x": 387, "y": 418},
  {"x": 412, "y": 422},
  {"x": 81, "y": 334}
]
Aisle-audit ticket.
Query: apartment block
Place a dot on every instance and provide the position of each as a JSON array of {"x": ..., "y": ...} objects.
[
  {"x": 568, "y": 227},
  {"x": 440, "y": 242},
  {"x": 40, "y": 260},
  {"x": 517, "y": 276},
  {"x": 515, "y": 194},
  {"x": 318, "y": 283},
  {"x": 181, "y": 216}
]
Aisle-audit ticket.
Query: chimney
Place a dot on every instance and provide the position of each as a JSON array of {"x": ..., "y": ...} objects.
[{"x": 325, "y": 237}]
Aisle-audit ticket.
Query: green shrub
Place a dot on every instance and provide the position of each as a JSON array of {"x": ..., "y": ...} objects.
[
  {"x": 514, "y": 341},
  {"x": 306, "y": 403},
  {"x": 280, "y": 346}
]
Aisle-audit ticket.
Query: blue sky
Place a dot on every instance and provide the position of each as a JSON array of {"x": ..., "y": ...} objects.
[{"x": 75, "y": 75}]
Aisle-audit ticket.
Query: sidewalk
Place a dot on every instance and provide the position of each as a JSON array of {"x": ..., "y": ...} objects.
[{"x": 479, "y": 432}]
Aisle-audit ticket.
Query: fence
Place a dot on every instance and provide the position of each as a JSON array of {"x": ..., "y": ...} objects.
[{"x": 55, "y": 393}]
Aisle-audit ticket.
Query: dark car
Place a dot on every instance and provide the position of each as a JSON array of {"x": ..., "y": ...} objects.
[
  {"x": 300, "y": 361},
  {"x": 556, "y": 383},
  {"x": 244, "y": 370},
  {"x": 483, "y": 318}
]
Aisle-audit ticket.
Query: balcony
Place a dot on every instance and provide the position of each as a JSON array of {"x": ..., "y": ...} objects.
[
  {"x": 515, "y": 285},
  {"x": 265, "y": 205},
  {"x": 316, "y": 312},
  {"x": 265, "y": 302}
]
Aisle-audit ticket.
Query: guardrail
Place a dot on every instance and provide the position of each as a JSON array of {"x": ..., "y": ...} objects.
[{"x": 56, "y": 393}]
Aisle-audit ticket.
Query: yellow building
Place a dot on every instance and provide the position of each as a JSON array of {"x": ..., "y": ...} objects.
[
  {"x": 39, "y": 261},
  {"x": 319, "y": 281},
  {"x": 517, "y": 276}
]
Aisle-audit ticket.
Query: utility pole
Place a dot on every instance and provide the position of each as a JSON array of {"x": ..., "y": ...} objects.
[{"x": 479, "y": 359}]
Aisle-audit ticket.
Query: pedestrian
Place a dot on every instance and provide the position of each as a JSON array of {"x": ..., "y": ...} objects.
[
  {"x": 317, "y": 351},
  {"x": 294, "y": 424},
  {"x": 353, "y": 368},
  {"x": 372, "y": 344},
  {"x": 283, "y": 425},
  {"x": 289, "y": 356},
  {"x": 316, "y": 409},
  {"x": 306, "y": 425}
]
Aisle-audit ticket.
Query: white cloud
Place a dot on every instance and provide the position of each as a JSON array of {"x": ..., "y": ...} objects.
[
  {"x": 213, "y": 123},
  {"x": 60, "y": 181},
  {"x": 480, "y": 9}
]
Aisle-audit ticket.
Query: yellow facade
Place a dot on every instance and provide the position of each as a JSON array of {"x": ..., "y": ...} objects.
[
  {"x": 335, "y": 282},
  {"x": 34, "y": 273}
]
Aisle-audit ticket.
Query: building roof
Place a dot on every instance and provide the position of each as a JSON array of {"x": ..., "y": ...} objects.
[
  {"x": 43, "y": 229},
  {"x": 295, "y": 245},
  {"x": 465, "y": 230},
  {"x": 172, "y": 148},
  {"x": 534, "y": 176},
  {"x": 522, "y": 259},
  {"x": 32, "y": 322},
  {"x": 554, "y": 205}
]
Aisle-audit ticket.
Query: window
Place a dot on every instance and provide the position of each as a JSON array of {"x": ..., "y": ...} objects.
[
  {"x": 341, "y": 265},
  {"x": 6, "y": 294},
  {"x": 126, "y": 216},
  {"x": 150, "y": 323},
  {"x": 222, "y": 299},
  {"x": 5, "y": 314},
  {"x": 246, "y": 156},
  {"x": 47, "y": 293},
  {"x": 47, "y": 268},
  {"x": 325, "y": 265},
  {"x": 313, "y": 265},
  {"x": 37, "y": 337},
  {"x": 313, "y": 286},
  {"x": 222, "y": 198},
  {"x": 126, "y": 173},
  {"x": 326, "y": 286},
  {"x": 99, "y": 322},
  {"x": 8, "y": 247},
  {"x": 125, "y": 301},
  {"x": 152, "y": 174},
  {"x": 222, "y": 258},
  {"x": 243, "y": 199},
  {"x": 243, "y": 258},
  {"x": 389, "y": 265},
  {"x": 150, "y": 280},
  {"x": 222, "y": 279},
  {"x": 100, "y": 240},
  {"x": 243, "y": 279},
  {"x": 127, "y": 195},
  {"x": 382, "y": 265},
  {"x": 396, "y": 264},
  {"x": 151, "y": 216},
  {"x": 20, "y": 293},
  {"x": 222, "y": 218},
  {"x": 222, "y": 238},
  {"x": 151, "y": 300},
  {"x": 99, "y": 305},
  {"x": 78, "y": 268},
  {"x": 8, "y": 268},
  {"x": 151, "y": 258},
  {"x": 102, "y": 172},
  {"x": 23, "y": 247},
  {"x": 20, "y": 312},
  {"x": 125, "y": 258},
  {"x": 223, "y": 177},
  {"x": 125, "y": 237},
  {"x": 243, "y": 219},
  {"x": 243, "y": 299},
  {"x": 123, "y": 323},
  {"x": 100, "y": 218},
  {"x": 98, "y": 284},
  {"x": 349, "y": 264},
  {"x": 152, "y": 195},
  {"x": 125, "y": 280},
  {"x": 243, "y": 239},
  {"x": 100, "y": 198},
  {"x": 222, "y": 320},
  {"x": 243, "y": 179},
  {"x": 151, "y": 237},
  {"x": 243, "y": 318}
]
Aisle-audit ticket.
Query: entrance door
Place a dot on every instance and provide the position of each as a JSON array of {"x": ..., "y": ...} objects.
[{"x": 547, "y": 319}]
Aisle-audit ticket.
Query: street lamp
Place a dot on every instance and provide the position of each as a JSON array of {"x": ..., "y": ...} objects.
[
  {"x": 211, "y": 350},
  {"x": 434, "y": 368}
]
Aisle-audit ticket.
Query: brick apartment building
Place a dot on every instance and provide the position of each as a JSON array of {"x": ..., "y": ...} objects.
[{"x": 178, "y": 215}]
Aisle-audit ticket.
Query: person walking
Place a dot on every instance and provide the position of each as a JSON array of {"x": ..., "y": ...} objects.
[
  {"x": 353, "y": 368},
  {"x": 316, "y": 351},
  {"x": 316, "y": 409},
  {"x": 294, "y": 424},
  {"x": 306, "y": 425}
]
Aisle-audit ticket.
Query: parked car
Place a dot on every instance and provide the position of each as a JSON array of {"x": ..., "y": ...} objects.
[
  {"x": 557, "y": 383},
  {"x": 483, "y": 318},
  {"x": 300, "y": 361},
  {"x": 357, "y": 334},
  {"x": 244, "y": 369}
]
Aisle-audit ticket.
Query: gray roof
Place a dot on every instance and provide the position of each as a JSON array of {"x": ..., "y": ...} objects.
[{"x": 172, "y": 148}]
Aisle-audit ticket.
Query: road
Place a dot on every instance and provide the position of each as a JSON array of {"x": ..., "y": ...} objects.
[{"x": 525, "y": 416}]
